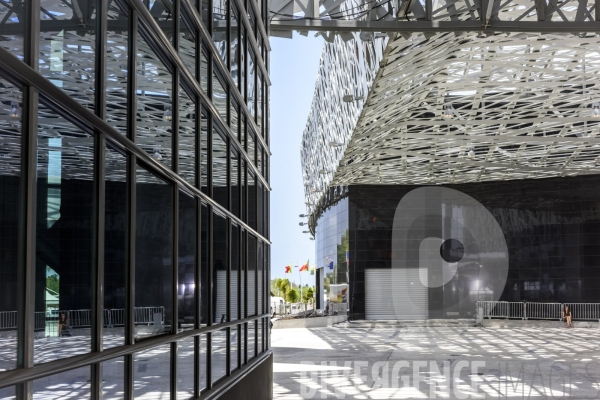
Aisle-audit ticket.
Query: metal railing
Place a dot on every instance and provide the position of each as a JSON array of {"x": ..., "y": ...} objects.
[
  {"x": 339, "y": 308},
  {"x": 82, "y": 318},
  {"x": 530, "y": 310},
  {"x": 8, "y": 319}
]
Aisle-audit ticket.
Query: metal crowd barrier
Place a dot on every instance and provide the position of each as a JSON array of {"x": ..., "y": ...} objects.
[
  {"x": 82, "y": 318},
  {"x": 339, "y": 308},
  {"x": 8, "y": 319},
  {"x": 530, "y": 310}
]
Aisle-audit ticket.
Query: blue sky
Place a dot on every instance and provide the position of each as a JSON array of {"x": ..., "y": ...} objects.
[{"x": 294, "y": 67}]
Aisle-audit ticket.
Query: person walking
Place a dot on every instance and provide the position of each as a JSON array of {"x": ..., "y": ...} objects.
[{"x": 568, "y": 316}]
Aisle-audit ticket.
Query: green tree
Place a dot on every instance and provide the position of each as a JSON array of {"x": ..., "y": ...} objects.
[
  {"x": 293, "y": 296},
  {"x": 283, "y": 286},
  {"x": 308, "y": 296},
  {"x": 52, "y": 280}
]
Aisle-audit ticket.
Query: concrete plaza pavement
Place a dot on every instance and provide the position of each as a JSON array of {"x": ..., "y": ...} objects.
[{"x": 429, "y": 362}]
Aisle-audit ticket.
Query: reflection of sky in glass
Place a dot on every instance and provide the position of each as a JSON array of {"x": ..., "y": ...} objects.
[{"x": 54, "y": 176}]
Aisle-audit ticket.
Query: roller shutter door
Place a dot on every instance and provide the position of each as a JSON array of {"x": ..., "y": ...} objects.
[{"x": 384, "y": 286}]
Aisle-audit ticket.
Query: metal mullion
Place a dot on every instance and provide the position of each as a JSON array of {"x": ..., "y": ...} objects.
[
  {"x": 209, "y": 260},
  {"x": 26, "y": 264},
  {"x": 239, "y": 295},
  {"x": 228, "y": 301},
  {"x": 245, "y": 326},
  {"x": 197, "y": 262},
  {"x": 174, "y": 291},
  {"x": 131, "y": 206},
  {"x": 256, "y": 288},
  {"x": 99, "y": 199}
]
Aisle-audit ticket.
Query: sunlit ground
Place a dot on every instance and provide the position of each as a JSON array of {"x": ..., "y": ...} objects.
[{"x": 407, "y": 363}]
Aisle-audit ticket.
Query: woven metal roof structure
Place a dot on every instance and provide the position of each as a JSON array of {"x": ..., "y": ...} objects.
[{"x": 453, "y": 108}]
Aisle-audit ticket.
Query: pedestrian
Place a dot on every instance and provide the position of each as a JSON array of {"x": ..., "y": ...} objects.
[
  {"x": 63, "y": 323},
  {"x": 568, "y": 316}
]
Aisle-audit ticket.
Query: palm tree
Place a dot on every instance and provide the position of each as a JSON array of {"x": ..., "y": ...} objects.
[
  {"x": 293, "y": 296},
  {"x": 307, "y": 296},
  {"x": 283, "y": 285}
]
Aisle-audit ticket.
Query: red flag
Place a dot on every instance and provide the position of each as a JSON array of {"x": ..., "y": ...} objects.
[
  {"x": 288, "y": 269},
  {"x": 304, "y": 267}
]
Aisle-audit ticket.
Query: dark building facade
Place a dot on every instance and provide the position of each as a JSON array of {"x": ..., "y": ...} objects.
[
  {"x": 134, "y": 199},
  {"x": 550, "y": 228}
]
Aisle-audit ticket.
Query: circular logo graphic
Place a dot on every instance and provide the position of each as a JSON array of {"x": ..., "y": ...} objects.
[{"x": 448, "y": 252}]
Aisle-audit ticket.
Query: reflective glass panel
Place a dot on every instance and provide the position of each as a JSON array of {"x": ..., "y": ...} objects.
[
  {"x": 251, "y": 201},
  {"x": 113, "y": 387},
  {"x": 235, "y": 272},
  {"x": 234, "y": 343},
  {"x": 234, "y": 185},
  {"x": 203, "y": 360},
  {"x": 204, "y": 264},
  {"x": 204, "y": 70},
  {"x": 234, "y": 118},
  {"x": 151, "y": 370},
  {"x": 10, "y": 157},
  {"x": 251, "y": 150},
  {"x": 259, "y": 208},
  {"x": 219, "y": 27},
  {"x": 12, "y": 27},
  {"x": 73, "y": 384},
  {"x": 116, "y": 71},
  {"x": 154, "y": 113},
  {"x": 67, "y": 55},
  {"x": 242, "y": 61},
  {"x": 220, "y": 260},
  {"x": 260, "y": 309},
  {"x": 187, "y": 137},
  {"x": 204, "y": 153},
  {"x": 115, "y": 256},
  {"x": 162, "y": 12},
  {"x": 235, "y": 62},
  {"x": 187, "y": 262},
  {"x": 219, "y": 96},
  {"x": 251, "y": 281},
  {"x": 251, "y": 95},
  {"x": 251, "y": 346},
  {"x": 187, "y": 46},
  {"x": 8, "y": 393},
  {"x": 219, "y": 354},
  {"x": 63, "y": 239},
  {"x": 259, "y": 104},
  {"x": 153, "y": 254},
  {"x": 185, "y": 368},
  {"x": 219, "y": 172}
]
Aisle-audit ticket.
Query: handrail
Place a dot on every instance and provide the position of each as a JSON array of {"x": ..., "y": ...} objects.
[
  {"x": 82, "y": 318},
  {"x": 534, "y": 310}
]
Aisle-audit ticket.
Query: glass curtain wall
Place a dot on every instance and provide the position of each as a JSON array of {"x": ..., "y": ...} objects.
[
  {"x": 133, "y": 212},
  {"x": 333, "y": 254}
]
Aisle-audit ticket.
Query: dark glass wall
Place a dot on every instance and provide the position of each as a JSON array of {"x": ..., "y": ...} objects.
[
  {"x": 130, "y": 197},
  {"x": 551, "y": 228}
]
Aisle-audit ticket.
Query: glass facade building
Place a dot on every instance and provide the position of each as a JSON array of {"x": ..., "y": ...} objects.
[{"x": 134, "y": 199}]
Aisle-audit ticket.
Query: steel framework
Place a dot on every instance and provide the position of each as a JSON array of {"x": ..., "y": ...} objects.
[{"x": 434, "y": 16}]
